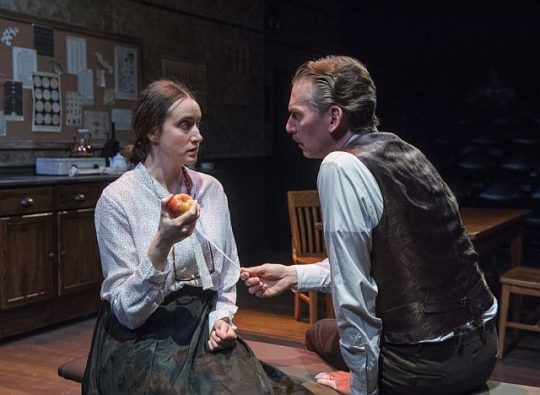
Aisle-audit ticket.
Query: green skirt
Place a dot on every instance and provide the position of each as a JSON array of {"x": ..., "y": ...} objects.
[{"x": 168, "y": 355}]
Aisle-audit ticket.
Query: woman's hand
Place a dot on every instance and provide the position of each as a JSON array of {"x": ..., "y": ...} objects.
[
  {"x": 174, "y": 229},
  {"x": 222, "y": 336},
  {"x": 171, "y": 230}
]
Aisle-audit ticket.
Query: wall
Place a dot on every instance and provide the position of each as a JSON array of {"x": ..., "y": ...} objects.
[
  {"x": 243, "y": 116},
  {"x": 226, "y": 38},
  {"x": 426, "y": 58}
]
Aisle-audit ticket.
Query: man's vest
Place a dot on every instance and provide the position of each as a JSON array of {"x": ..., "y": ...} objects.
[{"x": 423, "y": 261}]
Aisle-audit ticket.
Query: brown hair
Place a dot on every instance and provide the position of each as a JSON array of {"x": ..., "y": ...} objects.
[
  {"x": 345, "y": 82},
  {"x": 150, "y": 112}
]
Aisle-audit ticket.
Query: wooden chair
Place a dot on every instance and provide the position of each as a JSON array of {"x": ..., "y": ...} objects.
[
  {"x": 520, "y": 280},
  {"x": 307, "y": 243}
]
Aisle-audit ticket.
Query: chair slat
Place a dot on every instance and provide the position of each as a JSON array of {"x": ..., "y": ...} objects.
[{"x": 307, "y": 241}]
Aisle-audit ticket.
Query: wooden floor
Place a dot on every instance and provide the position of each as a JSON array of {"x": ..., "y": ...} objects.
[{"x": 28, "y": 364}]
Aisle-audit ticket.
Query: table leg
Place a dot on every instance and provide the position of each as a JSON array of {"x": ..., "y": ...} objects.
[{"x": 516, "y": 249}]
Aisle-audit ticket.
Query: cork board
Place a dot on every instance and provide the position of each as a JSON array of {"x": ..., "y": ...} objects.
[{"x": 57, "y": 79}]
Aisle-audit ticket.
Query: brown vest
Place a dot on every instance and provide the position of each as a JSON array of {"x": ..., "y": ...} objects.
[{"x": 422, "y": 258}]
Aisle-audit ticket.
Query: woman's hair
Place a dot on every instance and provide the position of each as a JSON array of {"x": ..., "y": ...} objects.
[
  {"x": 150, "y": 112},
  {"x": 345, "y": 82}
]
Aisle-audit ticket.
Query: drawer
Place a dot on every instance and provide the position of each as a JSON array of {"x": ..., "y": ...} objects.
[
  {"x": 75, "y": 196},
  {"x": 23, "y": 201}
]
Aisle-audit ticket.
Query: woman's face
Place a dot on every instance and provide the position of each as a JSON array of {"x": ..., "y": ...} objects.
[{"x": 180, "y": 137}]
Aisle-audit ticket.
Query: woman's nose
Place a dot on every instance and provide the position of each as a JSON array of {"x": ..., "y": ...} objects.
[{"x": 197, "y": 136}]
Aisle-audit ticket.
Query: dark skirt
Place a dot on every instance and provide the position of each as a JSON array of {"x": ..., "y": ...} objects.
[{"x": 168, "y": 355}]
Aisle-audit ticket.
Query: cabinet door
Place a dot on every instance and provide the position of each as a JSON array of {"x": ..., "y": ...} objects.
[
  {"x": 79, "y": 266},
  {"x": 26, "y": 259}
]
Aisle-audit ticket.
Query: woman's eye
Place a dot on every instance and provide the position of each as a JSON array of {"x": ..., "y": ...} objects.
[{"x": 186, "y": 125}]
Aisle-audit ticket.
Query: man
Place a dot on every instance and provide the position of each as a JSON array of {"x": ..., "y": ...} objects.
[{"x": 414, "y": 313}]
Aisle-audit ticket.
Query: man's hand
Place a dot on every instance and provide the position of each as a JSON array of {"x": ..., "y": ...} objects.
[
  {"x": 269, "y": 279},
  {"x": 338, "y": 380},
  {"x": 222, "y": 336}
]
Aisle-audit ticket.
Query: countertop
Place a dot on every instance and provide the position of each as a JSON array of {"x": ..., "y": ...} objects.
[{"x": 21, "y": 177}]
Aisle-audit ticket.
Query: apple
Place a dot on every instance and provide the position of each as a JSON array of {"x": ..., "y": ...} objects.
[{"x": 178, "y": 204}]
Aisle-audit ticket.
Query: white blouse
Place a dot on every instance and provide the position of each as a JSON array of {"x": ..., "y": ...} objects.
[{"x": 127, "y": 218}]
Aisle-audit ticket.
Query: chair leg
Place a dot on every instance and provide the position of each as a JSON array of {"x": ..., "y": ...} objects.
[
  {"x": 517, "y": 302},
  {"x": 330, "y": 313},
  {"x": 313, "y": 307},
  {"x": 296, "y": 306},
  {"x": 503, "y": 316}
]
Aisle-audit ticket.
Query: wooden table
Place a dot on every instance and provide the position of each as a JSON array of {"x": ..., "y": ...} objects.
[{"x": 489, "y": 228}]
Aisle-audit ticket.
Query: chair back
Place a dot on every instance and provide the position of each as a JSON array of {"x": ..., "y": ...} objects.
[{"x": 306, "y": 226}]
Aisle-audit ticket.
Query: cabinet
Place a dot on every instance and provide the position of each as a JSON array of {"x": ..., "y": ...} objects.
[{"x": 49, "y": 260}]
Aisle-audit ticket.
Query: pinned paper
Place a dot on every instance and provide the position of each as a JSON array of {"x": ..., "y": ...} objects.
[
  {"x": 126, "y": 62},
  {"x": 24, "y": 64},
  {"x": 9, "y": 34},
  {"x": 47, "y": 113},
  {"x": 76, "y": 54},
  {"x": 108, "y": 97},
  {"x": 121, "y": 119},
  {"x": 97, "y": 123},
  {"x": 44, "y": 40},
  {"x": 2, "y": 124},
  {"x": 106, "y": 65},
  {"x": 85, "y": 86},
  {"x": 13, "y": 104},
  {"x": 100, "y": 78},
  {"x": 73, "y": 109}
]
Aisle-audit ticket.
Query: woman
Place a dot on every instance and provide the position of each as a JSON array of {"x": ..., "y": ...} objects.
[{"x": 169, "y": 283}]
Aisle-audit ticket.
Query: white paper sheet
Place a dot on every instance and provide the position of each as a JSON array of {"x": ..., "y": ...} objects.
[
  {"x": 2, "y": 124},
  {"x": 126, "y": 75},
  {"x": 24, "y": 64},
  {"x": 97, "y": 123},
  {"x": 121, "y": 119},
  {"x": 76, "y": 54},
  {"x": 85, "y": 86},
  {"x": 73, "y": 108}
]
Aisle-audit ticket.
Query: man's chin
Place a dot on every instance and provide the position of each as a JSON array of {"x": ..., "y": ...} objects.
[{"x": 307, "y": 154}]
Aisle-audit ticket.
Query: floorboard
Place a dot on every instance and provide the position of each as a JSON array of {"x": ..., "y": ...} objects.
[{"x": 28, "y": 364}]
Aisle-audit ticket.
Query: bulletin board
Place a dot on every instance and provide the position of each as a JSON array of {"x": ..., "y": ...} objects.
[{"x": 58, "y": 80}]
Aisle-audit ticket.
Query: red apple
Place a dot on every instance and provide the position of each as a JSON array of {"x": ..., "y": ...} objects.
[{"x": 178, "y": 204}]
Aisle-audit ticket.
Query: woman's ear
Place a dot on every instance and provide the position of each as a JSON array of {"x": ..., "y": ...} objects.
[{"x": 153, "y": 136}]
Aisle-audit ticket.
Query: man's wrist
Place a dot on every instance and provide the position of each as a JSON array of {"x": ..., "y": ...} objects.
[{"x": 292, "y": 274}]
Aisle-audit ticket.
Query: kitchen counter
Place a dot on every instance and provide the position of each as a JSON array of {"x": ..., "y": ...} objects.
[
  {"x": 50, "y": 269},
  {"x": 24, "y": 177}
]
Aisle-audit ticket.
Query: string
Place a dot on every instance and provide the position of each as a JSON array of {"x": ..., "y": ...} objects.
[
  {"x": 189, "y": 185},
  {"x": 217, "y": 248}
]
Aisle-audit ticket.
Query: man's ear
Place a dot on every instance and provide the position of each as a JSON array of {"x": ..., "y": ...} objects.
[{"x": 337, "y": 120}]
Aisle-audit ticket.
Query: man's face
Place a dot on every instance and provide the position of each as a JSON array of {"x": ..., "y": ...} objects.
[{"x": 306, "y": 125}]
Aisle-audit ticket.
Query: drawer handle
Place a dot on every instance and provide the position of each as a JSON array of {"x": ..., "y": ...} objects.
[
  {"x": 27, "y": 202},
  {"x": 80, "y": 197},
  {"x": 51, "y": 255}
]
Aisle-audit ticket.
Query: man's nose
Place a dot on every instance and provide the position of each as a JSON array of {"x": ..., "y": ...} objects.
[{"x": 289, "y": 126}]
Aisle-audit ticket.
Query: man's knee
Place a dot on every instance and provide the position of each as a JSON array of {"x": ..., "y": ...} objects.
[
  {"x": 323, "y": 338},
  {"x": 319, "y": 334}
]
